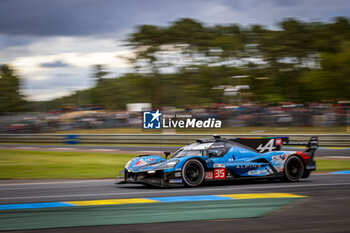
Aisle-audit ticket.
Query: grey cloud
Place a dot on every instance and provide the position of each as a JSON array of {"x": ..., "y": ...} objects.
[
  {"x": 7, "y": 40},
  {"x": 81, "y": 17},
  {"x": 61, "y": 80},
  {"x": 94, "y": 17},
  {"x": 55, "y": 64}
]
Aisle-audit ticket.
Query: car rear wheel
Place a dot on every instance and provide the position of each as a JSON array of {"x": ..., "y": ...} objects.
[
  {"x": 306, "y": 174},
  {"x": 193, "y": 173},
  {"x": 293, "y": 169}
]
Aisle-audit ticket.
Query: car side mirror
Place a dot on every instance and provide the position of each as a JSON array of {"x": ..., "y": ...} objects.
[{"x": 167, "y": 153}]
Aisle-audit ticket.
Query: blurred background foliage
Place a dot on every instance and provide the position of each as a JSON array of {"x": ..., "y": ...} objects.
[
  {"x": 10, "y": 98},
  {"x": 183, "y": 63}
]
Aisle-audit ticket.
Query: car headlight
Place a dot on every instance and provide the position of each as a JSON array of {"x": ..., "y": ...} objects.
[
  {"x": 127, "y": 164},
  {"x": 169, "y": 164}
]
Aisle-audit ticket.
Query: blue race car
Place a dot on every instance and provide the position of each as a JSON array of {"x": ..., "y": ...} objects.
[{"x": 223, "y": 159}]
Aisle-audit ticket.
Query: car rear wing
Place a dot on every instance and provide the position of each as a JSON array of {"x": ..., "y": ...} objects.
[
  {"x": 312, "y": 144},
  {"x": 262, "y": 144},
  {"x": 267, "y": 144}
]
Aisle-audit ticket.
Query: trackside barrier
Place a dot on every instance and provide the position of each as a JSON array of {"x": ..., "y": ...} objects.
[
  {"x": 176, "y": 139},
  {"x": 71, "y": 139}
]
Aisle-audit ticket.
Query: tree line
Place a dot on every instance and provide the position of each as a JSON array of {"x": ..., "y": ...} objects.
[{"x": 11, "y": 99}]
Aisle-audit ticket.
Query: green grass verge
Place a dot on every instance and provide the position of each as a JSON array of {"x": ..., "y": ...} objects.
[
  {"x": 55, "y": 165},
  {"x": 49, "y": 165},
  {"x": 325, "y": 165}
]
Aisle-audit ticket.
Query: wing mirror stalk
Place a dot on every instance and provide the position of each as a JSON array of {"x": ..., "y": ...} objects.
[{"x": 167, "y": 153}]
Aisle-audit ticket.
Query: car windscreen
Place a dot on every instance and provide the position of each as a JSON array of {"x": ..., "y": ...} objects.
[{"x": 184, "y": 153}]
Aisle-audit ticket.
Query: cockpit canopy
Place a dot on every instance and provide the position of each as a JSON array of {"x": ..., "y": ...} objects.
[
  {"x": 209, "y": 148},
  {"x": 213, "y": 149}
]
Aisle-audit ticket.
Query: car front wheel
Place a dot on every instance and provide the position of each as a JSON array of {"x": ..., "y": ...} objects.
[{"x": 193, "y": 173}]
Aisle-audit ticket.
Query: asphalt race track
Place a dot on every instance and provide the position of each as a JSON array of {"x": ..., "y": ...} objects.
[
  {"x": 326, "y": 209},
  {"x": 63, "y": 190}
]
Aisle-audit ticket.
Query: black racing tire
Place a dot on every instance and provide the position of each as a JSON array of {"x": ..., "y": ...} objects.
[
  {"x": 293, "y": 169},
  {"x": 193, "y": 173},
  {"x": 306, "y": 174}
]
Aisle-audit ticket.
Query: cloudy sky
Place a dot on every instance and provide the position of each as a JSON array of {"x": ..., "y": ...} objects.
[{"x": 53, "y": 43}]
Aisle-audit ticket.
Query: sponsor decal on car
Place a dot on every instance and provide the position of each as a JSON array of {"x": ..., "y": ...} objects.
[
  {"x": 219, "y": 173},
  {"x": 202, "y": 146},
  {"x": 278, "y": 141},
  {"x": 219, "y": 165},
  {"x": 278, "y": 157},
  {"x": 172, "y": 181},
  {"x": 218, "y": 146},
  {"x": 209, "y": 175},
  {"x": 267, "y": 147},
  {"x": 248, "y": 166},
  {"x": 244, "y": 152},
  {"x": 254, "y": 172},
  {"x": 140, "y": 163}
]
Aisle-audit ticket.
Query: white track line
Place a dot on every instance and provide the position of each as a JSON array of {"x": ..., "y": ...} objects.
[
  {"x": 107, "y": 150},
  {"x": 174, "y": 191},
  {"x": 150, "y": 151},
  {"x": 25, "y": 147},
  {"x": 62, "y": 148},
  {"x": 60, "y": 182},
  {"x": 338, "y": 157}
]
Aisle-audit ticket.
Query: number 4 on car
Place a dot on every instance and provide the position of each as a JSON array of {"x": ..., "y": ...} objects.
[{"x": 223, "y": 159}]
